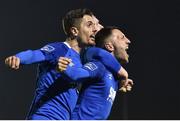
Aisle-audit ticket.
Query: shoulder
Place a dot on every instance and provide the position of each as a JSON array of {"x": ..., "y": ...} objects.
[
  {"x": 95, "y": 65},
  {"x": 93, "y": 49},
  {"x": 56, "y": 46},
  {"x": 96, "y": 51}
]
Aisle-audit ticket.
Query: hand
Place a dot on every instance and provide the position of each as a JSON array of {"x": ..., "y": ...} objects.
[
  {"x": 13, "y": 62},
  {"x": 63, "y": 63},
  {"x": 126, "y": 85}
]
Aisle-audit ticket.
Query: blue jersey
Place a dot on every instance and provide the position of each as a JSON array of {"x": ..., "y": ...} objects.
[
  {"x": 55, "y": 94},
  {"x": 97, "y": 93}
]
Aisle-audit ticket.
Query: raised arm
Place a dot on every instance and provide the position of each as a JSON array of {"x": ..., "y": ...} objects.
[
  {"x": 25, "y": 57},
  {"x": 45, "y": 53}
]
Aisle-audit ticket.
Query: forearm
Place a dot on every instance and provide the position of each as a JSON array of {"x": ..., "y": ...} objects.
[
  {"x": 77, "y": 74},
  {"x": 30, "y": 56},
  {"x": 122, "y": 73}
]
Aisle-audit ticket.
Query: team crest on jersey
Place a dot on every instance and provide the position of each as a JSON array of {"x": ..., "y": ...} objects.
[
  {"x": 91, "y": 66},
  {"x": 48, "y": 48},
  {"x": 112, "y": 95}
]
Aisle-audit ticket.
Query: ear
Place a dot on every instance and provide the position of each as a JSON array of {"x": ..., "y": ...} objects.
[
  {"x": 109, "y": 47},
  {"x": 74, "y": 31}
]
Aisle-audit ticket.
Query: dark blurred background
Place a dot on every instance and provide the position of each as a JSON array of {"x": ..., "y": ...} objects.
[{"x": 151, "y": 25}]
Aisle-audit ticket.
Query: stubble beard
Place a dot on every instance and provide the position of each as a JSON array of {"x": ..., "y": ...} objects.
[{"x": 122, "y": 57}]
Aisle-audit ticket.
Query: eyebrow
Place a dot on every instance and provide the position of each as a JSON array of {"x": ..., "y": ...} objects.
[{"x": 89, "y": 22}]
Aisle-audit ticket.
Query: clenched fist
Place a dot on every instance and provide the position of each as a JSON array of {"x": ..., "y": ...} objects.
[
  {"x": 13, "y": 62},
  {"x": 63, "y": 63}
]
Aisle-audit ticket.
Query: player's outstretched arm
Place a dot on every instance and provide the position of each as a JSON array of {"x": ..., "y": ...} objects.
[
  {"x": 30, "y": 56},
  {"x": 25, "y": 57}
]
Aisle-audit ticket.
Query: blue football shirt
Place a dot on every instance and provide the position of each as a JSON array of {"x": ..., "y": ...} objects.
[
  {"x": 97, "y": 93},
  {"x": 55, "y": 94}
]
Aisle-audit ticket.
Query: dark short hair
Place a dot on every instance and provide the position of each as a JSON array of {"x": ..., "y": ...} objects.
[
  {"x": 103, "y": 34},
  {"x": 71, "y": 18}
]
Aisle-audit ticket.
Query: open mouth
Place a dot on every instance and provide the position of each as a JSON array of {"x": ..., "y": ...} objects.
[
  {"x": 127, "y": 48},
  {"x": 92, "y": 37}
]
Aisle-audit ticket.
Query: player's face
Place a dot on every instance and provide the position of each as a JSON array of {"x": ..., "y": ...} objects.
[
  {"x": 97, "y": 26},
  {"x": 121, "y": 45},
  {"x": 87, "y": 30}
]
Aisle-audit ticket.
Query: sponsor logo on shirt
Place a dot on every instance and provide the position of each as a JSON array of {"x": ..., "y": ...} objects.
[
  {"x": 91, "y": 66},
  {"x": 48, "y": 48},
  {"x": 112, "y": 95}
]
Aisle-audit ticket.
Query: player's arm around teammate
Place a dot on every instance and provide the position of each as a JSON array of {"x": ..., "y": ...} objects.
[{"x": 126, "y": 84}]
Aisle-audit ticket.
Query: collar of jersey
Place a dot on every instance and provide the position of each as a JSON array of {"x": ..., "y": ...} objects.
[{"x": 67, "y": 44}]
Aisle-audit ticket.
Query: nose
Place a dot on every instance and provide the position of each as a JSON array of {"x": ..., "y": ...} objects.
[
  {"x": 128, "y": 41},
  {"x": 95, "y": 30},
  {"x": 100, "y": 26}
]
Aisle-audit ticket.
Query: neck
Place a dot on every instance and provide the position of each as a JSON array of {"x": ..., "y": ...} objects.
[{"x": 74, "y": 44}]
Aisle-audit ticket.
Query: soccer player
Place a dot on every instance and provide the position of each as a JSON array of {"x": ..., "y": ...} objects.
[
  {"x": 99, "y": 85},
  {"x": 55, "y": 95}
]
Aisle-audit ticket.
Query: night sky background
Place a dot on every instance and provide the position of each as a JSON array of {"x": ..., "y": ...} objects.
[{"x": 151, "y": 25}]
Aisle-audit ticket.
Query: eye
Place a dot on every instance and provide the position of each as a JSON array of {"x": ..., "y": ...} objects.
[
  {"x": 89, "y": 24},
  {"x": 122, "y": 37}
]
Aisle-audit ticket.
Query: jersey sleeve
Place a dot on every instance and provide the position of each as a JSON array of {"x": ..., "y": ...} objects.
[
  {"x": 49, "y": 51},
  {"x": 46, "y": 53},
  {"x": 109, "y": 61},
  {"x": 53, "y": 51},
  {"x": 30, "y": 56},
  {"x": 90, "y": 70}
]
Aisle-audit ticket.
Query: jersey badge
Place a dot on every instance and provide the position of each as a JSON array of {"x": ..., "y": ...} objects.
[
  {"x": 48, "y": 48},
  {"x": 91, "y": 66}
]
